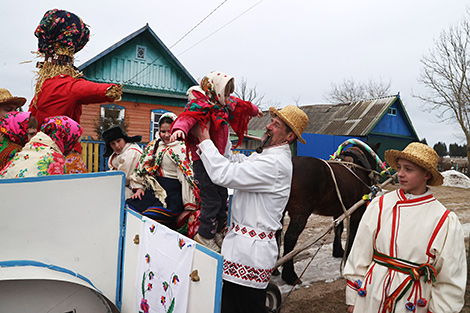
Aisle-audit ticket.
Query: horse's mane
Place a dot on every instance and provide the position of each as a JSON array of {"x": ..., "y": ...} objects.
[{"x": 358, "y": 155}]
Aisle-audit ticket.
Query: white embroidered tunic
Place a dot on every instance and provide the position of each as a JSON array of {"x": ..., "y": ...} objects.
[
  {"x": 419, "y": 230},
  {"x": 126, "y": 161},
  {"x": 261, "y": 184}
]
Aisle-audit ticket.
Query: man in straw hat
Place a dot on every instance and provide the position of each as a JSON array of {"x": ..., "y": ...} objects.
[
  {"x": 261, "y": 184},
  {"x": 9, "y": 103},
  {"x": 409, "y": 251}
]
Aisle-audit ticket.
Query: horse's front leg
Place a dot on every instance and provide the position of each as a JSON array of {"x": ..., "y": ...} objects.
[
  {"x": 338, "y": 250},
  {"x": 295, "y": 228}
]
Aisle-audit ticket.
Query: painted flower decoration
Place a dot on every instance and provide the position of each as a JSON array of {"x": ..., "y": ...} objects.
[
  {"x": 163, "y": 300},
  {"x": 144, "y": 305},
  {"x": 151, "y": 275},
  {"x": 181, "y": 243},
  {"x": 149, "y": 286},
  {"x": 165, "y": 285},
  {"x": 147, "y": 258},
  {"x": 152, "y": 228}
]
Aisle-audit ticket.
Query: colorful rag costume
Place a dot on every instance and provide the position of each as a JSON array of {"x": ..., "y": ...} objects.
[
  {"x": 261, "y": 184},
  {"x": 408, "y": 256},
  {"x": 65, "y": 95},
  {"x": 44, "y": 154},
  {"x": 59, "y": 88},
  {"x": 207, "y": 103},
  {"x": 126, "y": 161},
  {"x": 166, "y": 175},
  {"x": 13, "y": 135}
]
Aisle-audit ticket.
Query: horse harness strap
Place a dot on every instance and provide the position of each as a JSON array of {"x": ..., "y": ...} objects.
[
  {"x": 337, "y": 189},
  {"x": 355, "y": 165},
  {"x": 352, "y": 172}
]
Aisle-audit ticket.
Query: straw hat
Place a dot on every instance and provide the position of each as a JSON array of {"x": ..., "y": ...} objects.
[
  {"x": 294, "y": 117},
  {"x": 420, "y": 154},
  {"x": 7, "y": 98}
]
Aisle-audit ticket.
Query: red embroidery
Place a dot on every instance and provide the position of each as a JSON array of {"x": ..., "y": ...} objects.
[
  {"x": 262, "y": 235},
  {"x": 246, "y": 272}
]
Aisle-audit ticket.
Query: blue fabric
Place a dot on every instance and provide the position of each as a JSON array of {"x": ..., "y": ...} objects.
[{"x": 152, "y": 207}]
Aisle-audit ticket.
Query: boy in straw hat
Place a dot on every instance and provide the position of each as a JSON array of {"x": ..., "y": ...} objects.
[
  {"x": 9, "y": 103},
  {"x": 409, "y": 252},
  {"x": 261, "y": 184}
]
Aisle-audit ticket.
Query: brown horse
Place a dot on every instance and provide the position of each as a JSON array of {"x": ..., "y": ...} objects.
[{"x": 313, "y": 191}]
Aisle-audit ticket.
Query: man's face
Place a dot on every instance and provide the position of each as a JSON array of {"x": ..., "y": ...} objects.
[
  {"x": 277, "y": 130},
  {"x": 5, "y": 108}
]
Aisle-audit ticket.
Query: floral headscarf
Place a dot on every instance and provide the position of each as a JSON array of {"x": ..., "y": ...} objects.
[
  {"x": 170, "y": 115},
  {"x": 63, "y": 130},
  {"x": 61, "y": 29},
  {"x": 213, "y": 86},
  {"x": 14, "y": 125}
]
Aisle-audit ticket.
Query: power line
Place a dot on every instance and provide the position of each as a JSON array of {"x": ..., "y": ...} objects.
[
  {"x": 198, "y": 24},
  {"x": 192, "y": 29},
  {"x": 221, "y": 27}
]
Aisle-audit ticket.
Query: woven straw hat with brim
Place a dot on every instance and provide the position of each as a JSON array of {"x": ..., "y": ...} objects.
[
  {"x": 420, "y": 154},
  {"x": 294, "y": 117},
  {"x": 7, "y": 98}
]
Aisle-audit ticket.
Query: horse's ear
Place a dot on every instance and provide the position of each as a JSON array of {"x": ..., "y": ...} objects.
[{"x": 375, "y": 146}]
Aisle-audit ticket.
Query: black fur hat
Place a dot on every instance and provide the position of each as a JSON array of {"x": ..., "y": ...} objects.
[{"x": 116, "y": 133}]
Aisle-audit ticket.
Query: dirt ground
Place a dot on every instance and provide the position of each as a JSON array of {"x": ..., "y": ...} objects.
[{"x": 326, "y": 296}]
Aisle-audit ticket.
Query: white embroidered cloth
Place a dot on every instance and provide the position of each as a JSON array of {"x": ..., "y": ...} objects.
[{"x": 164, "y": 265}]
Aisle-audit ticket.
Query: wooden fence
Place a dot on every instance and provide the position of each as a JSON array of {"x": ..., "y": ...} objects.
[{"x": 92, "y": 154}]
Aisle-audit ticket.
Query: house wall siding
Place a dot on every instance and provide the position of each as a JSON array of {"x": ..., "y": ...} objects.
[
  {"x": 321, "y": 146},
  {"x": 138, "y": 116}
]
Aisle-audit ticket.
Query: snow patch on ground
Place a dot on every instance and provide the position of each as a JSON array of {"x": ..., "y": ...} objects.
[{"x": 454, "y": 178}]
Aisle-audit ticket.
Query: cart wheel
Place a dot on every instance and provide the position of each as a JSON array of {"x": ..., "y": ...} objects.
[{"x": 273, "y": 298}]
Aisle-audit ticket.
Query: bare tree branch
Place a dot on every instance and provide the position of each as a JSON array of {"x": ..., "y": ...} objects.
[
  {"x": 350, "y": 91},
  {"x": 248, "y": 94},
  {"x": 445, "y": 76}
]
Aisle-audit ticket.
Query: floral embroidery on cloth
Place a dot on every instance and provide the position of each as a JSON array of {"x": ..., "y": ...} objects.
[
  {"x": 40, "y": 157},
  {"x": 63, "y": 130},
  {"x": 14, "y": 125},
  {"x": 149, "y": 165},
  {"x": 61, "y": 29},
  {"x": 75, "y": 164},
  {"x": 164, "y": 265},
  {"x": 207, "y": 103}
]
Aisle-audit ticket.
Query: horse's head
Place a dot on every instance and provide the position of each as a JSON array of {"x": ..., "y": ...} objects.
[{"x": 360, "y": 156}]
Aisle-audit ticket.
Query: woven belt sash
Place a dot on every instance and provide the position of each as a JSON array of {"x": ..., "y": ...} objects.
[{"x": 414, "y": 271}]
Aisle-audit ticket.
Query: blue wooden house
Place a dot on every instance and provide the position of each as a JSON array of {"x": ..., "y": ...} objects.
[
  {"x": 382, "y": 120},
  {"x": 153, "y": 80}
]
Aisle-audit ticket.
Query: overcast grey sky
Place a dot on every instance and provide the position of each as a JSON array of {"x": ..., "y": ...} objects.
[{"x": 291, "y": 50}]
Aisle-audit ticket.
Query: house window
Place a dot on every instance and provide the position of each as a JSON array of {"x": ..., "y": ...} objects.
[
  {"x": 156, "y": 114},
  {"x": 111, "y": 115},
  {"x": 392, "y": 111},
  {"x": 140, "y": 52}
]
